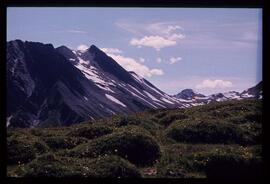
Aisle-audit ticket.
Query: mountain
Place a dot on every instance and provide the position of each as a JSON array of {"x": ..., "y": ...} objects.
[
  {"x": 188, "y": 94},
  {"x": 190, "y": 98},
  {"x": 254, "y": 92},
  {"x": 49, "y": 86}
]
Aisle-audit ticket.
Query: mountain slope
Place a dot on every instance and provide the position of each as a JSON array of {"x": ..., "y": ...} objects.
[
  {"x": 55, "y": 87},
  {"x": 108, "y": 75},
  {"x": 254, "y": 92}
]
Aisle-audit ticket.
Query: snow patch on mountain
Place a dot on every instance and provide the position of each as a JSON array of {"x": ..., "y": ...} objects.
[
  {"x": 159, "y": 104},
  {"x": 141, "y": 98},
  {"x": 164, "y": 99},
  {"x": 92, "y": 73},
  {"x": 115, "y": 100},
  {"x": 246, "y": 95},
  {"x": 151, "y": 96},
  {"x": 232, "y": 95},
  {"x": 135, "y": 90},
  {"x": 8, "y": 120},
  {"x": 141, "y": 80}
]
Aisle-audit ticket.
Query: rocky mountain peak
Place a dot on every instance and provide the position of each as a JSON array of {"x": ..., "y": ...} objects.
[
  {"x": 56, "y": 87},
  {"x": 188, "y": 94}
]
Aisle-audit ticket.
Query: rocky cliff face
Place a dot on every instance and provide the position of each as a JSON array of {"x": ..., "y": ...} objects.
[{"x": 55, "y": 87}]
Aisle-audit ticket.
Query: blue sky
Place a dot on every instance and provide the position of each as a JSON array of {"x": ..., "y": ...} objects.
[{"x": 207, "y": 49}]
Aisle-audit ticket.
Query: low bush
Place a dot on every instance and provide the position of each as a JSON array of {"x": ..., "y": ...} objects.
[
  {"x": 19, "y": 152},
  {"x": 150, "y": 126},
  {"x": 170, "y": 118},
  {"x": 215, "y": 140},
  {"x": 146, "y": 124},
  {"x": 160, "y": 115},
  {"x": 49, "y": 165},
  {"x": 36, "y": 132},
  {"x": 114, "y": 167},
  {"x": 90, "y": 131},
  {"x": 62, "y": 142},
  {"x": 253, "y": 117},
  {"x": 228, "y": 166},
  {"x": 40, "y": 147},
  {"x": 132, "y": 143},
  {"x": 172, "y": 170},
  {"x": 208, "y": 132},
  {"x": 127, "y": 120}
]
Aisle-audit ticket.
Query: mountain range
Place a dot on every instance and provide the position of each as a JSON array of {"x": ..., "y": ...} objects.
[
  {"x": 192, "y": 98},
  {"x": 49, "y": 86}
]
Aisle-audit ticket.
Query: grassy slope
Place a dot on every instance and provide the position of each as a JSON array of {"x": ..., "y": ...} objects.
[{"x": 215, "y": 140}]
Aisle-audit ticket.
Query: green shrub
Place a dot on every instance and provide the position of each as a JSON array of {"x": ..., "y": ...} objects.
[
  {"x": 90, "y": 131},
  {"x": 150, "y": 126},
  {"x": 128, "y": 120},
  {"x": 170, "y": 118},
  {"x": 214, "y": 140},
  {"x": 160, "y": 115},
  {"x": 192, "y": 159},
  {"x": 19, "y": 152},
  {"x": 146, "y": 124},
  {"x": 208, "y": 132},
  {"x": 131, "y": 143},
  {"x": 234, "y": 152},
  {"x": 254, "y": 117},
  {"x": 114, "y": 167},
  {"x": 61, "y": 142},
  {"x": 36, "y": 132},
  {"x": 40, "y": 147},
  {"x": 49, "y": 165},
  {"x": 172, "y": 170},
  {"x": 224, "y": 166}
]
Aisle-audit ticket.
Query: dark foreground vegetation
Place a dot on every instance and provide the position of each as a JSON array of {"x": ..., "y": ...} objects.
[{"x": 215, "y": 140}]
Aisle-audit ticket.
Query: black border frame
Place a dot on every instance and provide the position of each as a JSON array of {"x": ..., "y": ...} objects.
[{"x": 131, "y": 3}]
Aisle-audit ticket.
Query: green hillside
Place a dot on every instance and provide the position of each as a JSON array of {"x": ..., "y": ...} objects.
[{"x": 215, "y": 140}]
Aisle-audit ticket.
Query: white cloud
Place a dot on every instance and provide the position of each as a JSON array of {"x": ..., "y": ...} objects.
[
  {"x": 77, "y": 31},
  {"x": 111, "y": 50},
  {"x": 173, "y": 27},
  {"x": 176, "y": 37},
  {"x": 159, "y": 60},
  {"x": 214, "y": 84},
  {"x": 156, "y": 72},
  {"x": 135, "y": 28},
  {"x": 82, "y": 47},
  {"x": 156, "y": 42},
  {"x": 130, "y": 64},
  {"x": 174, "y": 60},
  {"x": 142, "y": 60},
  {"x": 158, "y": 35},
  {"x": 163, "y": 28}
]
